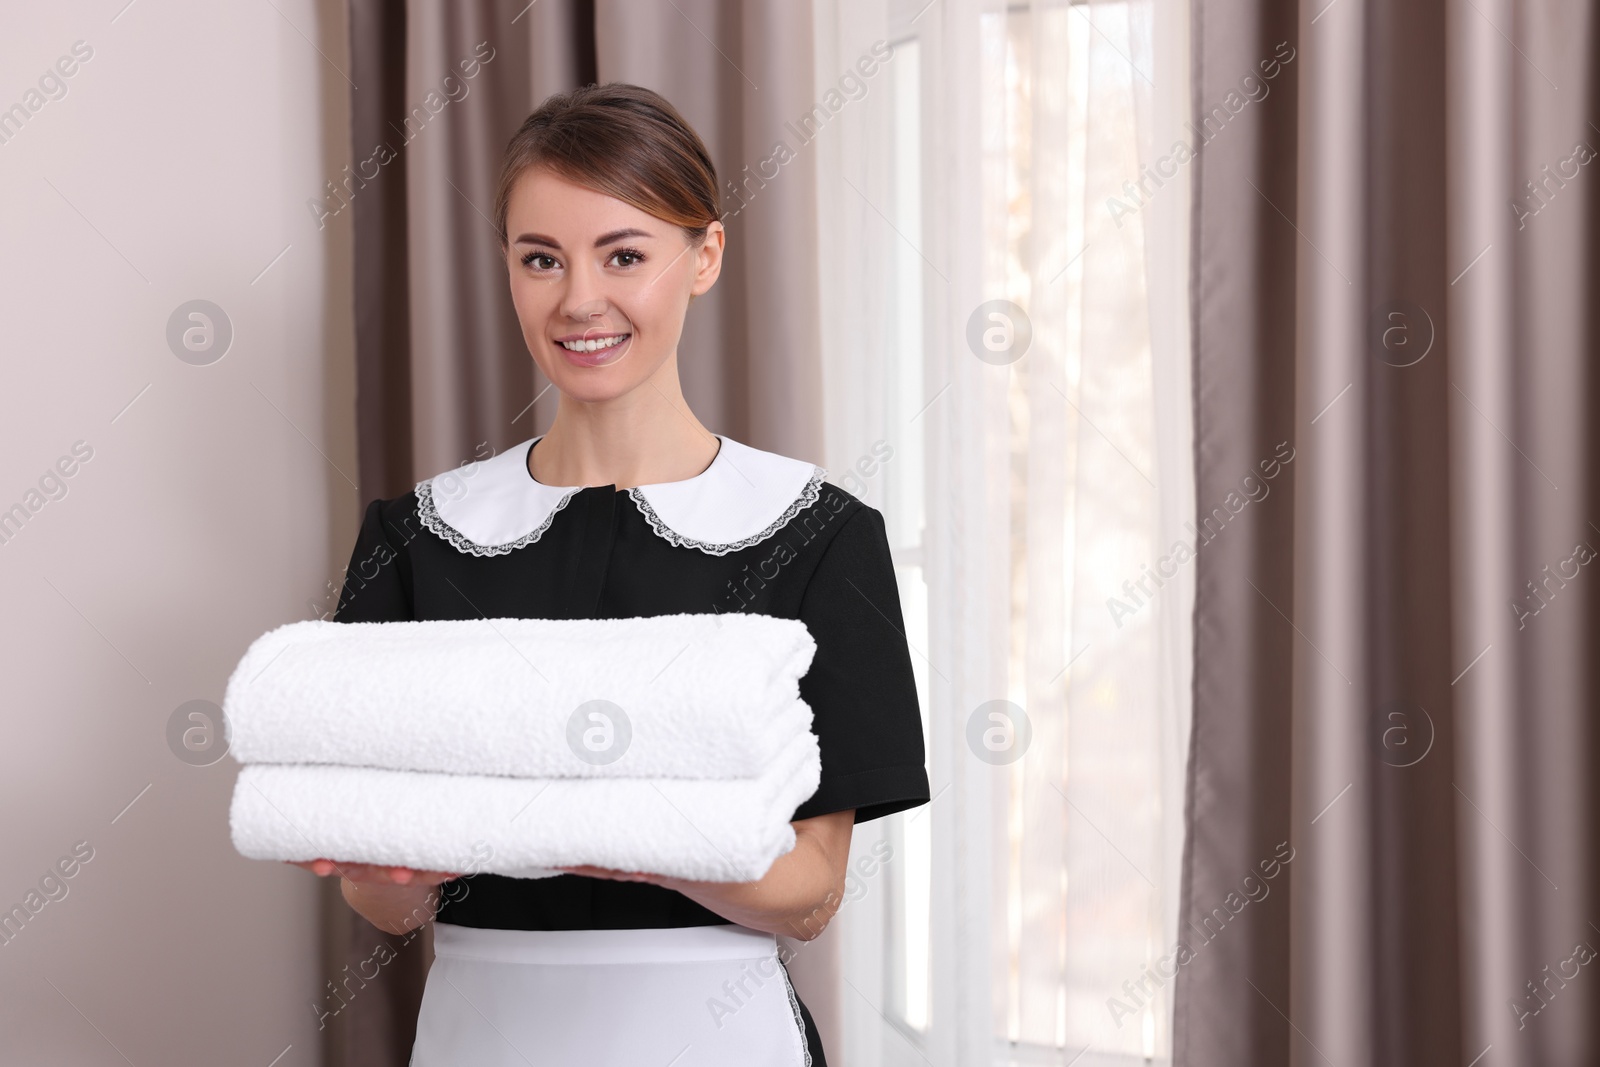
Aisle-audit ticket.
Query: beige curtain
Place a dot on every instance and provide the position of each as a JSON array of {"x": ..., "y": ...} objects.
[
  {"x": 1391, "y": 854},
  {"x": 443, "y": 375}
]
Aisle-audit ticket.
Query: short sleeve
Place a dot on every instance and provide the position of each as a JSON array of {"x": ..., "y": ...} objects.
[
  {"x": 860, "y": 686},
  {"x": 377, "y": 583}
]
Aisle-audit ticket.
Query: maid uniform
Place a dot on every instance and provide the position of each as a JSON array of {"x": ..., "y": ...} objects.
[{"x": 578, "y": 970}]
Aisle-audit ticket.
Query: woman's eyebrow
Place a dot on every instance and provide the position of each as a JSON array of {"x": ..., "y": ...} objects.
[{"x": 599, "y": 242}]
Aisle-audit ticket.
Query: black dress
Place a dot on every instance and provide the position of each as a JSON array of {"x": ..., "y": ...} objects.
[{"x": 754, "y": 532}]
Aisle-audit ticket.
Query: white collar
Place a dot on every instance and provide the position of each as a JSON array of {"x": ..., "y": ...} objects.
[{"x": 492, "y": 506}]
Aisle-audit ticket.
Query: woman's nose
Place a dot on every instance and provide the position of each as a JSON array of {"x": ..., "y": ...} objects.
[{"x": 584, "y": 295}]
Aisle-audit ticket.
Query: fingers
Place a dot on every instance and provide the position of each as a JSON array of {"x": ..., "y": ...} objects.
[
  {"x": 355, "y": 872},
  {"x": 318, "y": 866},
  {"x": 372, "y": 872}
]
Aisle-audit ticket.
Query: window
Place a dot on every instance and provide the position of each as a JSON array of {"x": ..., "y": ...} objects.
[{"x": 1030, "y": 494}]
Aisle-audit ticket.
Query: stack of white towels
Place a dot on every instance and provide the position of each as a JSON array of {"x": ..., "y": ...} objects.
[{"x": 675, "y": 744}]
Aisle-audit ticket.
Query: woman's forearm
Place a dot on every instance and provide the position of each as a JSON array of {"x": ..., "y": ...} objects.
[
  {"x": 795, "y": 898},
  {"x": 394, "y": 909}
]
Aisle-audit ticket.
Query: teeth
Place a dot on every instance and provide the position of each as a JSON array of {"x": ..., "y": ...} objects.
[{"x": 592, "y": 346}]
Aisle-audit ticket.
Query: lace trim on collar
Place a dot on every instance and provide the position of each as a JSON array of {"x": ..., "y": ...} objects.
[
  {"x": 429, "y": 513},
  {"x": 807, "y": 497}
]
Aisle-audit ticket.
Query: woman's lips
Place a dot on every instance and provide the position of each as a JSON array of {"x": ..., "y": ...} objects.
[{"x": 600, "y": 357}]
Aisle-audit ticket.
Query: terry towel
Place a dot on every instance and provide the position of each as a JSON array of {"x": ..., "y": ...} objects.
[
  {"x": 701, "y": 695},
  {"x": 706, "y": 830}
]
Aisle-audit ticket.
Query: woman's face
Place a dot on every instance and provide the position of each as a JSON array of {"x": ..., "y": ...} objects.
[{"x": 586, "y": 267}]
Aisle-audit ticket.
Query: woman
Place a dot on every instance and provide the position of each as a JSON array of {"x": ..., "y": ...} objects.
[{"x": 608, "y": 218}]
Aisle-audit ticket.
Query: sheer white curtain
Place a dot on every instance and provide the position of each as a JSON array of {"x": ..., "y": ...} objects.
[{"x": 1006, "y": 378}]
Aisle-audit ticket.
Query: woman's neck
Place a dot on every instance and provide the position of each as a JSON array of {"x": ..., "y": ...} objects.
[{"x": 656, "y": 440}]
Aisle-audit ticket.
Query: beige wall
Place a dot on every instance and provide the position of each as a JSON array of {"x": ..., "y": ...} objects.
[{"x": 176, "y": 166}]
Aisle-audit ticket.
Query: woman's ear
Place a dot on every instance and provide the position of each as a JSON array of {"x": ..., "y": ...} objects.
[{"x": 712, "y": 246}]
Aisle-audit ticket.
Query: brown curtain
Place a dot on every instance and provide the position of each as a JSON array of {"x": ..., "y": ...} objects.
[
  {"x": 1391, "y": 836},
  {"x": 443, "y": 375}
]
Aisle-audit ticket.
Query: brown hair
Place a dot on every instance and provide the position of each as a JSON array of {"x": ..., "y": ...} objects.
[{"x": 622, "y": 140}]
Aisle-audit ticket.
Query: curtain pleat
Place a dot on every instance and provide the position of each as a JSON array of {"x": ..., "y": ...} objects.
[
  {"x": 470, "y": 369},
  {"x": 1389, "y": 838},
  {"x": 382, "y": 297}
]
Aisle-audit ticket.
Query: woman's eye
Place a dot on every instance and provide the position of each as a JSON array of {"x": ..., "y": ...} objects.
[{"x": 544, "y": 262}]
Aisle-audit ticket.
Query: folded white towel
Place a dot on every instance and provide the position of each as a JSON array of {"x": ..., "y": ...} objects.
[
  {"x": 706, "y": 830},
  {"x": 702, "y": 695}
]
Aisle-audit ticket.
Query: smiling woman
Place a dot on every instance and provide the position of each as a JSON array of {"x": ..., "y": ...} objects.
[
  {"x": 614, "y": 298},
  {"x": 629, "y": 507}
]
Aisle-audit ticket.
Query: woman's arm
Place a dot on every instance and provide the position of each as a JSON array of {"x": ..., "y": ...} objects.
[{"x": 797, "y": 896}]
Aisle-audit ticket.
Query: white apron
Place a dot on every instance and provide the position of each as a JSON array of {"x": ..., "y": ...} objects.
[{"x": 698, "y": 996}]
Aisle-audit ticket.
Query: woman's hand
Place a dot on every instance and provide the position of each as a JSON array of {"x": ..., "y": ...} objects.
[
  {"x": 396, "y": 900},
  {"x": 375, "y": 874}
]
